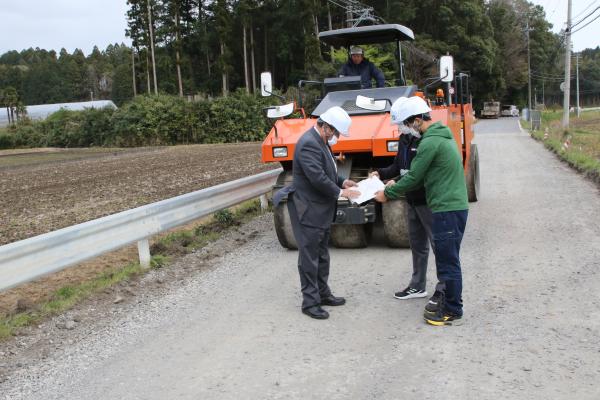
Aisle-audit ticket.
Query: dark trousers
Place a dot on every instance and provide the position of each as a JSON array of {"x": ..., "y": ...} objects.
[
  {"x": 448, "y": 229},
  {"x": 419, "y": 221},
  {"x": 313, "y": 259}
]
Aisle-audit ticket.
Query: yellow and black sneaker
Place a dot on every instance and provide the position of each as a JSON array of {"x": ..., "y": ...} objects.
[{"x": 441, "y": 318}]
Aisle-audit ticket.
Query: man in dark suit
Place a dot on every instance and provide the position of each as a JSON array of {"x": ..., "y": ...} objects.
[{"x": 312, "y": 201}]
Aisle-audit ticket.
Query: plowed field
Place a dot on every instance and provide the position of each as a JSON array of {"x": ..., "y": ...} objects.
[{"x": 48, "y": 189}]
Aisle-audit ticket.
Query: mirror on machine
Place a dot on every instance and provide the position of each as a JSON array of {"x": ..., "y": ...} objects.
[
  {"x": 369, "y": 103},
  {"x": 280, "y": 111},
  {"x": 266, "y": 86},
  {"x": 446, "y": 69}
]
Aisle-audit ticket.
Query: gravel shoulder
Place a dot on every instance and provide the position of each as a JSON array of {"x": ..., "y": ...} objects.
[{"x": 228, "y": 325}]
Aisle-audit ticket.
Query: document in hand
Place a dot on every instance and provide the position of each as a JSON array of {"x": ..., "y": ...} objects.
[{"x": 367, "y": 188}]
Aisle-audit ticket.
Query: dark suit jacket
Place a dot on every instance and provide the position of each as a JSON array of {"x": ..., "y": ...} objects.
[{"x": 316, "y": 186}]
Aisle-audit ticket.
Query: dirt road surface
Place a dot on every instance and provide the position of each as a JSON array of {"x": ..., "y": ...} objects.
[{"x": 531, "y": 261}]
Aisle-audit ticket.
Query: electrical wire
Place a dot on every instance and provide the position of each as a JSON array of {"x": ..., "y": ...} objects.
[
  {"x": 584, "y": 18},
  {"x": 585, "y": 9},
  {"x": 581, "y": 27}
]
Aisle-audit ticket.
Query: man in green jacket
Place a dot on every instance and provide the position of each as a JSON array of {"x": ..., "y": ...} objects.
[{"x": 438, "y": 167}]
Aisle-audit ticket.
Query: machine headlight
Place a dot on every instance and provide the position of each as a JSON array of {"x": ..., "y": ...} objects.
[
  {"x": 282, "y": 151},
  {"x": 392, "y": 146}
]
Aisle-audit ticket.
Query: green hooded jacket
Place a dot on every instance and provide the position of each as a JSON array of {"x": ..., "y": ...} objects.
[{"x": 438, "y": 167}]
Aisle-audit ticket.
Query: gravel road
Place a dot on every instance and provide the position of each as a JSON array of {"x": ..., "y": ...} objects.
[{"x": 531, "y": 258}]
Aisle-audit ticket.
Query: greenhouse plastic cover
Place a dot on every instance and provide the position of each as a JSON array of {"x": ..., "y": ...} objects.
[{"x": 41, "y": 111}]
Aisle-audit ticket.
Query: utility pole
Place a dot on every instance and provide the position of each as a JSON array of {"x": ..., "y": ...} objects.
[
  {"x": 543, "y": 94},
  {"x": 567, "y": 91},
  {"x": 577, "y": 63},
  {"x": 528, "y": 72}
]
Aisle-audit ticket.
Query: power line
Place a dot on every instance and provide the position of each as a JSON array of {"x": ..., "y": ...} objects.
[
  {"x": 581, "y": 27},
  {"x": 586, "y": 17},
  {"x": 584, "y": 10}
]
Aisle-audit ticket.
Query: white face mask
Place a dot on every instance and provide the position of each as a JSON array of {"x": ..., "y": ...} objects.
[
  {"x": 333, "y": 140},
  {"x": 415, "y": 133},
  {"x": 414, "y": 130},
  {"x": 405, "y": 130}
]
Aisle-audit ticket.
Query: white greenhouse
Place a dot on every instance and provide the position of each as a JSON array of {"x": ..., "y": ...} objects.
[{"x": 42, "y": 111}]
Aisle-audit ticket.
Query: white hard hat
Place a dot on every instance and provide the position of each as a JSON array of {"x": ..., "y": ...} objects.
[
  {"x": 395, "y": 109},
  {"x": 338, "y": 118},
  {"x": 408, "y": 108}
]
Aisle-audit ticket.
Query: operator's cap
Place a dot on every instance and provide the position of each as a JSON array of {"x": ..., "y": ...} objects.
[
  {"x": 394, "y": 110},
  {"x": 409, "y": 108},
  {"x": 338, "y": 118},
  {"x": 356, "y": 50}
]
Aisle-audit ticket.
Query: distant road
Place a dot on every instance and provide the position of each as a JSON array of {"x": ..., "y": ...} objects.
[{"x": 531, "y": 260}]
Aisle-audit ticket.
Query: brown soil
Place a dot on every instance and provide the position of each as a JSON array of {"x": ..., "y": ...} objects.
[{"x": 40, "y": 193}]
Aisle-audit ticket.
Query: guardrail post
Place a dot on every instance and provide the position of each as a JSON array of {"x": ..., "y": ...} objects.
[
  {"x": 264, "y": 204},
  {"x": 144, "y": 252}
]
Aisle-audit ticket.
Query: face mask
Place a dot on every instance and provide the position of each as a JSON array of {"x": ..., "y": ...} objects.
[
  {"x": 415, "y": 133},
  {"x": 332, "y": 141},
  {"x": 415, "y": 129},
  {"x": 405, "y": 130}
]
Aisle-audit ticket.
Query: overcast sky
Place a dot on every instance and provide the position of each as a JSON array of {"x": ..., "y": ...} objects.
[
  {"x": 556, "y": 14},
  {"x": 54, "y": 24}
]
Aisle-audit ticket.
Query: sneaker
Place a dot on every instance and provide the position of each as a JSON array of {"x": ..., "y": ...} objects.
[
  {"x": 434, "y": 303},
  {"x": 410, "y": 293},
  {"x": 441, "y": 318}
]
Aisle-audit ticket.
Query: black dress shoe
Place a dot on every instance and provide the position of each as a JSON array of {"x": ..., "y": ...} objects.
[
  {"x": 316, "y": 312},
  {"x": 331, "y": 300}
]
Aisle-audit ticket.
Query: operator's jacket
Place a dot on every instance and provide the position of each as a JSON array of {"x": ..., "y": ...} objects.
[
  {"x": 366, "y": 70},
  {"x": 407, "y": 150}
]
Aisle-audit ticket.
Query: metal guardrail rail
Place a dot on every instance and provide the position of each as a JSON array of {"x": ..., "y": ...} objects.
[{"x": 31, "y": 258}]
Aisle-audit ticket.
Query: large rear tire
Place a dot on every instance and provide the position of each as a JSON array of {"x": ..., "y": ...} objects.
[
  {"x": 473, "y": 175},
  {"x": 350, "y": 236},
  {"x": 281, "y": 216},
  {"x": 395, "y": 226}
]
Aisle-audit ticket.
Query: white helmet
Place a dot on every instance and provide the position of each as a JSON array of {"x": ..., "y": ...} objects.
[
  {"x": 408, "y": 108},
  {"x": 338, "y": 118},
  {"x": 395, "y": 109}
]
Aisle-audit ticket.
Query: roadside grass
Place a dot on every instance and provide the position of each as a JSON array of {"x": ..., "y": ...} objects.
[
  {"x": 165, "y": 250},
  {"x": 579, "y": 146}
]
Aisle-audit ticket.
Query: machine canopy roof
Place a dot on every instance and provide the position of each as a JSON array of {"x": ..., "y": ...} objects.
[{"x": 366, "y": 35}]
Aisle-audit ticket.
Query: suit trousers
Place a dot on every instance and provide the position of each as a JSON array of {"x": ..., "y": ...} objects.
[
  {"x": 419, "y": 219},
  {"x": 313, "y": 259}
]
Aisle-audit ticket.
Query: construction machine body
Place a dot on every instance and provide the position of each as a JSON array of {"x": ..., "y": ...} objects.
[{"x": 373, "y": 141}]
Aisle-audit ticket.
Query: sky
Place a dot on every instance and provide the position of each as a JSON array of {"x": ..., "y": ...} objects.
[
  {"x": 54, "y": 24},
  {"x": 556, "y": 14}
]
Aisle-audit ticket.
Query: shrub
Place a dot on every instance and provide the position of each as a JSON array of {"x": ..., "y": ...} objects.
[{"x": 7, "y": 140}]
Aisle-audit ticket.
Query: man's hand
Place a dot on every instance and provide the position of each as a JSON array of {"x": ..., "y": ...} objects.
[
  {"x": 390, "y": 183},
  {"x": 350, "y": 194},
  {"x": 348, "y": 183},
  {"x": 380, "y": 197}
]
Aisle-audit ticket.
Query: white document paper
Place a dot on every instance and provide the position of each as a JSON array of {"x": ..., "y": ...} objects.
[{"x": 367, "y": 188}]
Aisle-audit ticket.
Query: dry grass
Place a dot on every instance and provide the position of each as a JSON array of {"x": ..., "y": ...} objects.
[{"x": 579, "y": 145}]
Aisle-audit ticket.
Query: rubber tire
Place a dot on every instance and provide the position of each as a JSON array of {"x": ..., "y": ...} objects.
[
  {"x": 395, "y": 226},
  {"x": 281, "y": 216},
  {"x": 350, "y": 236},
  {"x": 472, "y": 177}
]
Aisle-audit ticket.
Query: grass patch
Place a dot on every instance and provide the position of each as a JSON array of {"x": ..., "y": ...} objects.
[
  {"x": 579, "y": 146},
  {"x": 164, "y": 251}
]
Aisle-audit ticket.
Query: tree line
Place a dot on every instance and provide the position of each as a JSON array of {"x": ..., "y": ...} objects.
[{"x": 213, "y": 47}]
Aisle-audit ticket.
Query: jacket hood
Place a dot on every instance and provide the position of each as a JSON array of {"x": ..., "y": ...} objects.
[{"x": 439, "y": 130}]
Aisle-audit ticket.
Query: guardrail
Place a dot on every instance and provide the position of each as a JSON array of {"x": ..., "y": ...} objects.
[{"x": 31, "y": 258}]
